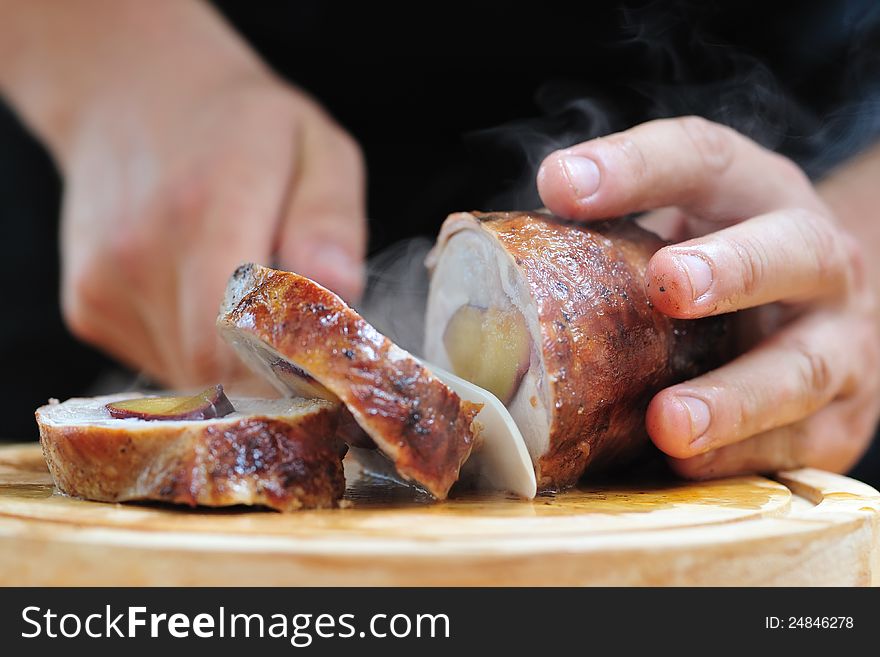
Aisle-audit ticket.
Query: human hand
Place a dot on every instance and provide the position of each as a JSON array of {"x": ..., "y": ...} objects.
[
  {"x": 177, "y": 169},
  {"x": 807, "y": 391}
]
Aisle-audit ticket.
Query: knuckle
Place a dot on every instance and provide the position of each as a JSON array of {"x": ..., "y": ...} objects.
[
  {"x": 823, "y": 240},
  {"x": 634, "y": 158},
  {"x": 713, "y": 143},
  {"x": 745, "y": 412},
  {"x": 752, "y": 263},
  {"x": 813, "y": 372}
]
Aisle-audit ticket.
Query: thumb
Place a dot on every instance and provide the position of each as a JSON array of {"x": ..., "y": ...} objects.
[{"x": 323, "y": 230}]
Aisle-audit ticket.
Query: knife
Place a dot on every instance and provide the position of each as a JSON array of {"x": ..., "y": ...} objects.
[{"x": 501, "y": 460}]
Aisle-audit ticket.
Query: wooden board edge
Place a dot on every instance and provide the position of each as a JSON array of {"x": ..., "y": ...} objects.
[{"x": 837, "y": 496}]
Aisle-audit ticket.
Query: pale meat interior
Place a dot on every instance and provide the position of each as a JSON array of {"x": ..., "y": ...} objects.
[
  {"x": 285, "y": 376},
  {"x": 92, "y": 411},
  {"x": 471, "y": 270}
]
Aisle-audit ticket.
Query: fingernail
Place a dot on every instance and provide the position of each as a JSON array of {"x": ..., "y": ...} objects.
[
  {"x": 699, "y": 274},
  {"x": 699, "y": 414},
  {"x": 582, "y": 173},
  {"x": 334, "y": 266}
]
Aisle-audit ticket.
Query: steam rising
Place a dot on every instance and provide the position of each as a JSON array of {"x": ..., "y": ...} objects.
[
  {"x": 744, "y": 94},
  {"x": 719, "y": 82},
  {"x": 741, "y": 92},
  {"x": 747, "y": 96},
  {"x": 397, "y": 292}
]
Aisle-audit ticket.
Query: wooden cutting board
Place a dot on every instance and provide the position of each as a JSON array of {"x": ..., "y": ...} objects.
[{"x": 804, "y": 527}]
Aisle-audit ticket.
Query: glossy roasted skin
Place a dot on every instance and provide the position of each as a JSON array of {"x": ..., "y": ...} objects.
[
  {"x": 418, "y": 422},
  {"x": 285, "y": 464},
  {"x": 606, "y": 350}
]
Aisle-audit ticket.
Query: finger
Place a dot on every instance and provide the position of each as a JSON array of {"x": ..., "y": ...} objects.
[
  {"x": 791, "y": 255},
  {"x": 833, "y": 439},
  {"x": 786, "y": 378},
  {"x": 204, "y": 357},
  {"x": 100, "y": 310},
  {"x": 98, "y": 317},
  {"x": 323, "y": 233},
  {"x": 145, "y": 279},
  {"x": 232, "y": 221},
  {"x": 778, "y": 449},
  {"x": 703, "y": 167},
  {"x": 670, "y": 224}
]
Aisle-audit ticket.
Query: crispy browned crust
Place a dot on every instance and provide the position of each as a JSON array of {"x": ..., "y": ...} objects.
[
  {"x": 416, "y": 420},
  {"x": 285, "y": 465},
  {"x": 605, "y": 348}
]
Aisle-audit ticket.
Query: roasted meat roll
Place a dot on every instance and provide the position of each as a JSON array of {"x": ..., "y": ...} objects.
[
  {"x": 280, "y": 453},
  {"x": 309, "y": 342},
  {"x": 553, "y": 317}
]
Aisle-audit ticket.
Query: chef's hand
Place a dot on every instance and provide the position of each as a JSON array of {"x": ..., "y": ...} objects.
[
  {"x": 183, "y": 156},
  {"x": 807, "y": 393},
  {"x": 164, "y": 199}
]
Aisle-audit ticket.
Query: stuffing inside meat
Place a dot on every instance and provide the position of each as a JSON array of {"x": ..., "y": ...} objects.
[{"x": 553, "y": 316}]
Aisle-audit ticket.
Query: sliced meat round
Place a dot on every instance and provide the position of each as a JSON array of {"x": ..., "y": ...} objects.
[
  {"x": 553, "y": 317},
  {"x": 308, "y": 341},
  {"x": 278, "y": 453}
]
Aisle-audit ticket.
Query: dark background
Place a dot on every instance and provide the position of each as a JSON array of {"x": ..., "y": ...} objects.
[{"x": 455, "y": 108}]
